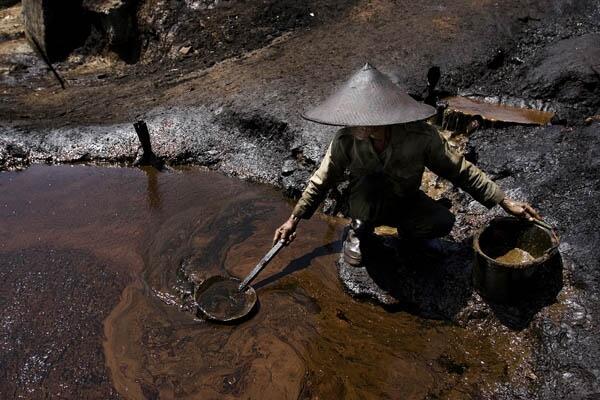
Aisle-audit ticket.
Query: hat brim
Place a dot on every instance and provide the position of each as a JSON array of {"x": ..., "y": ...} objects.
[
  {"x": 369, "y": 98},
  {"x": 428, "y": 113}
]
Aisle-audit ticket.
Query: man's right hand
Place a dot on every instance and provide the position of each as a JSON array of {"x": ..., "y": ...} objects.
[
  {"x": 287, "y": 231},
  {"x": 519, "y": 209}
]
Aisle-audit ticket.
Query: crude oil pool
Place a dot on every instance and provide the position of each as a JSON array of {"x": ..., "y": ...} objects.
[{"x": 97, "y": 267}]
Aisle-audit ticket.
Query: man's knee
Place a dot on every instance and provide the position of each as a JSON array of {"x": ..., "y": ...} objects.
[
  {"x": 444, "y": 223},
  {"x": 437, "y": 224}
]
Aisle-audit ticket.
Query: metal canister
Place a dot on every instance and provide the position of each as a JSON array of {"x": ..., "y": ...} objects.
[{"x": 506, "y": 282}]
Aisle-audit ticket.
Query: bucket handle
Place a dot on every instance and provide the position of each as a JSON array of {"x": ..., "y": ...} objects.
[{"x": 544, "y": 225}]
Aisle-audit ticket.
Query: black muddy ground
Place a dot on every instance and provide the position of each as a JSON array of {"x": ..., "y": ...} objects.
[
  {"x": 556, "y": 168},
  {"x": 232, "y": 103}
]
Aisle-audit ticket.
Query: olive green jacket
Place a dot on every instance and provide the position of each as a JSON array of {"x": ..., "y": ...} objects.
[{"x": 412, "y": 147}]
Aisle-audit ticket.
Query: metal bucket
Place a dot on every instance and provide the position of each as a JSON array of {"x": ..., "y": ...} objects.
[{"x": 509, "y": 282}]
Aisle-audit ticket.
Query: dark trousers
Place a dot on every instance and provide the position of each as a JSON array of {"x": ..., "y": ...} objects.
[{"x": 415, "y": 216}]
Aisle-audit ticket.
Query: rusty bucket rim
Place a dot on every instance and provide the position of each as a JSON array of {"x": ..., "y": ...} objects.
[{"x": 555, "y": 239}]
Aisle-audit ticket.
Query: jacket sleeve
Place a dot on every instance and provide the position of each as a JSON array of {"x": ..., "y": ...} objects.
[
  {"x": 330, "y": 171},
  {"x": 445, "y": 162}
]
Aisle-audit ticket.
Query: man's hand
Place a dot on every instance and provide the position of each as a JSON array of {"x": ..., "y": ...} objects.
[
  {"x": 287, "y": 231},
  {"x": 520, "y": 209}
]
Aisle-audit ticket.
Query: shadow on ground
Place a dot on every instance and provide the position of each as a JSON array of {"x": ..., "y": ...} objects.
[
  {"x": 301, "y": 263},
  {"x": 545, "y": 285},
  {"x": 441, "y": 287}
]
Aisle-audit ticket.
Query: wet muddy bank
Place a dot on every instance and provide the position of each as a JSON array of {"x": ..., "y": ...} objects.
[
  {"x": 250, "y": 146},
  {"x": 94, "y": 258}
]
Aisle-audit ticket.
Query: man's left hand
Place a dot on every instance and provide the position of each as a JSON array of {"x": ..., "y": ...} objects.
[{"x": 520, "y": 209}]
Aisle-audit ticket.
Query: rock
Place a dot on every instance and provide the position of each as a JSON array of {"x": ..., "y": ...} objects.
[
  {"x": 103, "y": 6},
  {"x": 14, "y": 150},
  {"x": 55, "y": 28},
  {"x": 359, "y": 283},
  {"x": 398, "y": 278},
  {"x": 288, "y": 167},
  {"x": 185, "y": 50},
  {"x": 294, "y": 183},
  {"x": 59, "y": 27},
  {"x": 117, "y": 21},
  {"x": 497, "y": 59},
  {"x": 592, "y": 119}
]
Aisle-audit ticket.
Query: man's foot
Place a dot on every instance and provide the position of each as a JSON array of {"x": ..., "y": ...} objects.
[{"x": 355, "y": 242}]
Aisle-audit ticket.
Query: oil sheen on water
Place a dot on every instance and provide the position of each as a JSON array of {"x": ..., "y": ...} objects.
[{"x": 96, "y": 267}]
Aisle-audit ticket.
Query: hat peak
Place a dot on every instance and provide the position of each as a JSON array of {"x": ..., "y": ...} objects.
[{"x": 367, "y": 66}]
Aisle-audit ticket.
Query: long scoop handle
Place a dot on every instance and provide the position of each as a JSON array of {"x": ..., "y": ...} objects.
[{"x": 261, "y": 264}]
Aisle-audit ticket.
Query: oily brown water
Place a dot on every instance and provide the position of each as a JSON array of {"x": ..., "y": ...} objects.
[
  {"x": 498, "y": 112},
  {"x": 97, "y": 266}
]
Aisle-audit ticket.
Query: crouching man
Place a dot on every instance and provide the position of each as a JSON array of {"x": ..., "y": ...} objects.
[{"x": 385, "y": 145}]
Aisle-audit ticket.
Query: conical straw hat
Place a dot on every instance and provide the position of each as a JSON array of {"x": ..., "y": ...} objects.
[{"x": 369, "y": 98}]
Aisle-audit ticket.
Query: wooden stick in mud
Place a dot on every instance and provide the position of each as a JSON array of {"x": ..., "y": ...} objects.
[{"x": 148, "y": 156}]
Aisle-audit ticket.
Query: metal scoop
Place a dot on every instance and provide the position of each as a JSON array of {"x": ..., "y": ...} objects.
[{"x": 227, "y": 299}]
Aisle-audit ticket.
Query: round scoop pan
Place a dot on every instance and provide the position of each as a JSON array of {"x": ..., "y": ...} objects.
[
  {"x": 229, "y": 299},
  {"x": 219, "y": 299}
]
